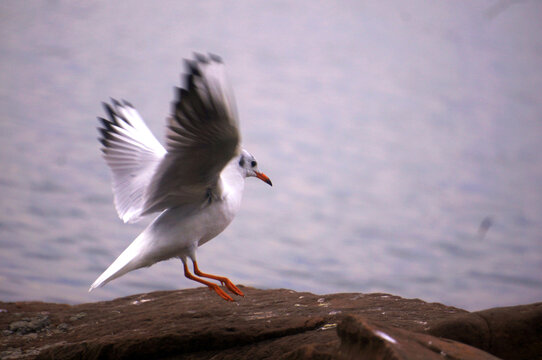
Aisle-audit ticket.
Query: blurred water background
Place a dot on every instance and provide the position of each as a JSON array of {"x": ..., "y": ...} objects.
[{"x": 403, "y": 138}]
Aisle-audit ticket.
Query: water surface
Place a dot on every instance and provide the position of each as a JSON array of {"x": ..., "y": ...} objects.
[{"x": 404, "y": 141}]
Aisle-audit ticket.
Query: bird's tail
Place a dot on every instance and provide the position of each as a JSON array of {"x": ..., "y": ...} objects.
[{"x": 129, "y": 260}]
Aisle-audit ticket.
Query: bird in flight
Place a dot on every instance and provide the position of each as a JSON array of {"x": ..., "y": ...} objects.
[{"x": 195, "y": 182}]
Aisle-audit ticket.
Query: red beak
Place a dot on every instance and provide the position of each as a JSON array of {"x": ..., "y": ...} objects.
[{"x": 263, "y": 177}]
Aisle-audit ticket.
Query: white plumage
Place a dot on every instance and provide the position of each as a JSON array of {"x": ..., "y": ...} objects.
[{"x": 196, "y": 182}]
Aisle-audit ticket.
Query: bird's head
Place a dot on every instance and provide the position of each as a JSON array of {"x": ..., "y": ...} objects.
[{"x": 249, "y": 167}]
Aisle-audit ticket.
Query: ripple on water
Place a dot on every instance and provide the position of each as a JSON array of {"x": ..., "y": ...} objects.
[
  {"x": 459, "y": 251},
  {"x": 98, "y": 251},
  {"x": 508, "y": 279},
  {"x": 46, "y": 186},
  {"x": 52, "y": 210},
  {"x": 98, "y": 199},
  {"x": 50, "y": 255}
]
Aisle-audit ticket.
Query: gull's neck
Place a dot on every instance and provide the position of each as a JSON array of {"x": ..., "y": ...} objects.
[{"x": 232, "y": 180}]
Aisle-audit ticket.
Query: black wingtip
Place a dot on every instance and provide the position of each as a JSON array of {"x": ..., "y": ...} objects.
[
  {"x": 109, "y": 110},
  {"x": 215, "y": 57},
  {"x": 106, "y": 135},
  {"x": 191, "y": 67},
  {"x": 200, "y": 58},
  {"x": 104, "y": 143},
  {"x": 116, "y": 102},
  {"x": 126, "y": 103},
  {"x": 107, "y": 125}
]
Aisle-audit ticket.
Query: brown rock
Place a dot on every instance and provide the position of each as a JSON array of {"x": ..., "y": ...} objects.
[
  {"x": 195, "y": 324},
  {"x": 361, "y": 339},
  {"x": 513, "y": 332},
  {"x": 468, "y": 328}
]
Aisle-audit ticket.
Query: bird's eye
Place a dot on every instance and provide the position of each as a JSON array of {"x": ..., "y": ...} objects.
[{"x": 253, "y": 163}]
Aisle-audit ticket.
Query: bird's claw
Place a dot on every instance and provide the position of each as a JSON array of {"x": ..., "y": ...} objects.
[
  {"x": 234, "y": 289},
  {"x": 221, "y": 293}
]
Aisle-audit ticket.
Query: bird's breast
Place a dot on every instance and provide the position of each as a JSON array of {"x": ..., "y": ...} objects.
[{"x": 217, "y": 217}]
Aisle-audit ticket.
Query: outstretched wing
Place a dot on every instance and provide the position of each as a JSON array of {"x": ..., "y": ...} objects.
[
  {"x": 202, "y": 137},
  {"x": 133, "y": 155}
]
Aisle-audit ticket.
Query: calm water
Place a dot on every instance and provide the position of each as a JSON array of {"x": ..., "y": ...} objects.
[{"x": 404, "y": 140}]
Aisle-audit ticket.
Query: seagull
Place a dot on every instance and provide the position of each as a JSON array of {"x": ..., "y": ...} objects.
[{"x": 195, "y": 182}]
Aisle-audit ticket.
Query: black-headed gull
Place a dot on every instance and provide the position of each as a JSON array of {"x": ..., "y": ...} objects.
[{"x": 196, "y": 182}]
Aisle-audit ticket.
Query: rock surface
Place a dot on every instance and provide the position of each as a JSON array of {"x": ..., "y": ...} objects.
[
  {"x": 266, "y": 324},
  {"x": 362, "y": 339},
  {"x": 513, "y": 332}
]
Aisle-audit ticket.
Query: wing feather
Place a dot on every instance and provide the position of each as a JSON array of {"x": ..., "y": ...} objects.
[
  {"x": 133, "y": 155},
  {"x": 202, "y": 136}
]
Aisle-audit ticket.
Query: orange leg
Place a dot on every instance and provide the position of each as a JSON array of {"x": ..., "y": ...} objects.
[
  {"x": 211, "y": 286},
  {"x": 224, "y": 280}
]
